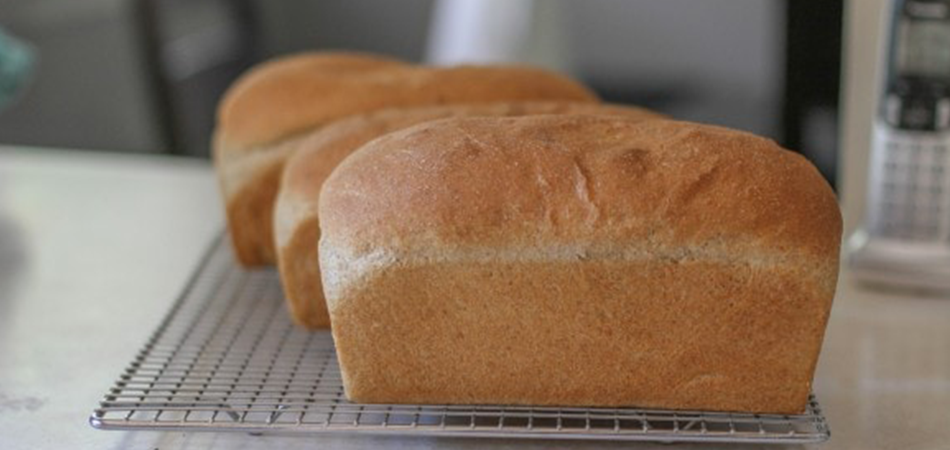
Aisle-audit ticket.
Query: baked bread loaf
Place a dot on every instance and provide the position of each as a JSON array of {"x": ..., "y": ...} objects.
[
  {"x": 264, "y": 114},
  {"x": 579, "y": 260},
  {"x": 296, "y": 226}
]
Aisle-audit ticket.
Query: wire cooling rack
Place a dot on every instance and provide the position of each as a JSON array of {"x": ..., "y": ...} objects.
[{"x": 228, "y": 358}]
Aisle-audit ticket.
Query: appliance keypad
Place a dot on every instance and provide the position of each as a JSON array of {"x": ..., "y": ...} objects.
[{"x": 914, "y": 200}]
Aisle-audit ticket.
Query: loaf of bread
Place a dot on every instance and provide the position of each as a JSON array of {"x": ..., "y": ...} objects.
[
  {"x": 264, "y": 114},
  {"x": 578, "y": 260},
  {"x": 296, "y": 226}
]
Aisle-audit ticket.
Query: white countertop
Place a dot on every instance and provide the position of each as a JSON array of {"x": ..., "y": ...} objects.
[{"x": 95, "y": 247}]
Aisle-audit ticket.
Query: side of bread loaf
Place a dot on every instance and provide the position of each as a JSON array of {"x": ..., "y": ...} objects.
[
  {"x": 579, "y": 260},
  {"x": 281, "y": 101},
  {"x": 296, "y": 224}
]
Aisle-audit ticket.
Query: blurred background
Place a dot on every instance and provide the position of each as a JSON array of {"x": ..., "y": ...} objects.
[{"x": 145, "y": 75}]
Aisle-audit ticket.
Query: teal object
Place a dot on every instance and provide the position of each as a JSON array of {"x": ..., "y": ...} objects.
[{"x": 16, "y": 65}]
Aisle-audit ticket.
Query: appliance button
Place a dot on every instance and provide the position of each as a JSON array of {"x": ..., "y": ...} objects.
[
  {"x": 892, "y": 110},
  {"x": 943, "y": 113},
  {"x": 918, "y": 117}
]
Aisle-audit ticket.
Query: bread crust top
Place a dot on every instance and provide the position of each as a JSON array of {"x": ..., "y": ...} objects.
[
  {"x": 320, "y": 153},
  {"x": 580, "y": 187},
  {"x": 291, "y": 95}
]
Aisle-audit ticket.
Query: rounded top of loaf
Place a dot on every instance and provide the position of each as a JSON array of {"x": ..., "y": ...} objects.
[
  {"x": 572, "y": 184},
  {"x": 321, "y": 152},
  {"x": 291, "y": 95}
]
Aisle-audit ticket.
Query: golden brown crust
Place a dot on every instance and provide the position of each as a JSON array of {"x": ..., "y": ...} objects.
[
  {"x": 568, "y": 179},
  {"x": 300, "y": 277},
  {"x": 264, "y": 104},
  {"x": 291, "y": 96},
  {"x": 655, "y": 334},
  {"x": 248, "y": 173},
  {"x": 245, "y": 212},
  {"x": 600, "y": 262},
  {"x": 295, "y": 219},
  {"x": 280, "y": 101}
]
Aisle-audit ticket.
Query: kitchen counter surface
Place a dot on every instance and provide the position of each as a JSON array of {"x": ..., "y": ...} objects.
[{"x": 95, "y": 247}]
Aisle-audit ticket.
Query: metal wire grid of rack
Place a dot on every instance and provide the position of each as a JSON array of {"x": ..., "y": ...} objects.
[{"x": 228, "y": 358}]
